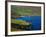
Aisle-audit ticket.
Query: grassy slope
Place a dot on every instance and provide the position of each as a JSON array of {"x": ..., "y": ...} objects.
[
  {"x": 21, "y": 22},
  {"x": 25, "y": 11}
]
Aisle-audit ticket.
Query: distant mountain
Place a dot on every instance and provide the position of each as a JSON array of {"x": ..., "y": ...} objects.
[{"x": 25, "y": 10}]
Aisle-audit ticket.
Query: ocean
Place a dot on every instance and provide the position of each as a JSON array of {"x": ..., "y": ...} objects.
[{"x": 35, "y": 20}]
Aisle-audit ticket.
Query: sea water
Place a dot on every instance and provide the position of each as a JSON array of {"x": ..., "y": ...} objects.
[{"x": 35, "y": 20}]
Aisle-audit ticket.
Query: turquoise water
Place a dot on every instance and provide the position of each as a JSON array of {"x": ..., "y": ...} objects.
[{"x": 35, "y": 20}]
